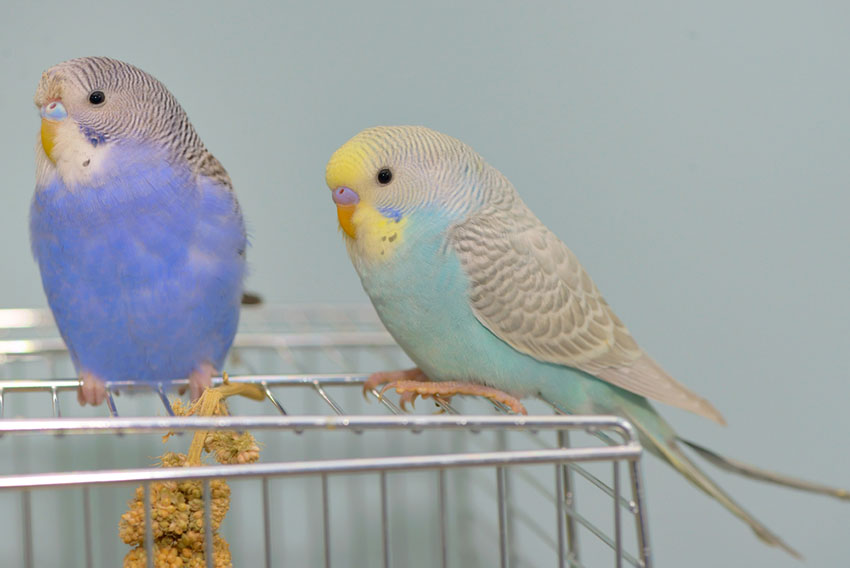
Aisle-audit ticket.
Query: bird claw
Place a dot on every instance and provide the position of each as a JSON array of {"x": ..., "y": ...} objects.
[
  {"x": 405, "y": 398},
  {"x": 407, "y": 395},
  {"x": 413, "y": 383},
  {"x": 442, "y": 392},
  {"x": 388, "y": 377},
  {"x": 92, "y": 390},
  {"x": 200, "y": 379}
]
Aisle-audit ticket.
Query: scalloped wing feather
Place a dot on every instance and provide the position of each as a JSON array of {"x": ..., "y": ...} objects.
[{"x": 530, "y": 290}]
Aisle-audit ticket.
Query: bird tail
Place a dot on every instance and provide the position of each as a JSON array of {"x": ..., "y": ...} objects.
[
  {"x": 670, "y": 452},
  {"x": 759, "y": 474},
  {"x": 251, "y": 299}
]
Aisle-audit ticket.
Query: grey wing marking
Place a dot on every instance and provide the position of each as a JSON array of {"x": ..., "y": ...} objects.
[
  {"x": 529, "y": 289},
  {"x": 210, "y": 167}
]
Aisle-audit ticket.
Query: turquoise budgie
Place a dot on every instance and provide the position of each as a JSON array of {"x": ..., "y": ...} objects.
[
  {"x": 486, "y": 300},
  {"x": 135, "y": 227}
]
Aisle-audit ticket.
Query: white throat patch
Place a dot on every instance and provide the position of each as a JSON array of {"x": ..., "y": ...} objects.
[{"x": 77, "y": 160}]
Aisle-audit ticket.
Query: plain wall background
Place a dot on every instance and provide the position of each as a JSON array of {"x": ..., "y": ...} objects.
[{"x": 694, "y": 156}]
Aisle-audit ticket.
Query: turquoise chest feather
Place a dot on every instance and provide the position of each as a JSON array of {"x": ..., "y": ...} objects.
[{"x": 421, "y": 295}]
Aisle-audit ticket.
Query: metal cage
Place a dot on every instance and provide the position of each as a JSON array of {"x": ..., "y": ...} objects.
[{"x": 342, "y": 480}]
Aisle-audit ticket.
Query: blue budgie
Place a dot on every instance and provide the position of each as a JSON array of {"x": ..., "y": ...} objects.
[
  {"x": 135, "y": 227},
  {"x": 487, "y": 301}
]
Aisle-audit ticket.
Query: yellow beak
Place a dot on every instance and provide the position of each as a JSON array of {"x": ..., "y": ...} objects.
[
  {"x": 48, "y": 137},
  {"x": 344, "y": 214}
]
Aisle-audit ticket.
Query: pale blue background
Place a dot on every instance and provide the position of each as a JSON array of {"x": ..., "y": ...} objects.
[{"x": 694, "y": 155}]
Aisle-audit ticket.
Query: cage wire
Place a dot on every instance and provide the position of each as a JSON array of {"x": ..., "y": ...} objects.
[{"x": 344, "y": 479}]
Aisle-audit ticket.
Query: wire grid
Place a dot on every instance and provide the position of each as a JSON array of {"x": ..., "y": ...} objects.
[{"x": 438, "y": 481}]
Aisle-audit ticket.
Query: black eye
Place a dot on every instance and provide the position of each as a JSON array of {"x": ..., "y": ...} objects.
[
  {"x": 97, "y": 97},
  {"x": 385, "y": 176}
]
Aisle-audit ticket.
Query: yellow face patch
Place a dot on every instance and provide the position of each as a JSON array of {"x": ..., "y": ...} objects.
[
  {"x": 348, "y": 164},
  {"x": 377, "y": 236}
]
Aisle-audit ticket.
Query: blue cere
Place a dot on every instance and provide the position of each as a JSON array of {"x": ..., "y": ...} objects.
[{"x": 54, "y": 110}]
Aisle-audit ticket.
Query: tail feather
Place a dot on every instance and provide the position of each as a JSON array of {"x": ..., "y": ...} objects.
[
  {"x": 673, "y": 455},
  {"x": 760, "y": 474},
  {"x": 251, "y": 299}
]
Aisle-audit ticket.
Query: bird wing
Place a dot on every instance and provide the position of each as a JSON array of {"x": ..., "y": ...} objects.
[{"x": 530, "y": 290}]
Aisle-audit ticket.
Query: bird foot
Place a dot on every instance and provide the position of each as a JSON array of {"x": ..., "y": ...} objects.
[
  {"x": 200, "y": 379},
  {"x": 384, "y": 377},
  {"x": 92, "y": 390},
  {"x": 411, "y": 389}
]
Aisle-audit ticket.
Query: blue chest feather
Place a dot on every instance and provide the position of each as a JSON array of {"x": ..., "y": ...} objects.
[{"x": 143, "y": 270}]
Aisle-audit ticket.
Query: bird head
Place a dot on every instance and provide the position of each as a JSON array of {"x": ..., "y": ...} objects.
[
  {"x": 384, "y": 174},
  {"x": 90, "y": 104}
]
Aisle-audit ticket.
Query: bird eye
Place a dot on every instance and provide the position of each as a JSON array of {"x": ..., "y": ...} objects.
[
  {"x": 97, "y": 97},
  {"x": 385, "y": 176}
]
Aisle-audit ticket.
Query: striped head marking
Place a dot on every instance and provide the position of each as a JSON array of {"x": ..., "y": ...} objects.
[
  {"x": 88, "y": 105},
  {"x": 386, "y": 173}
]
